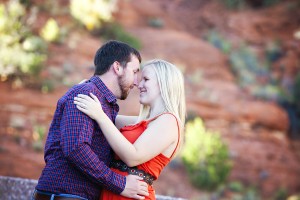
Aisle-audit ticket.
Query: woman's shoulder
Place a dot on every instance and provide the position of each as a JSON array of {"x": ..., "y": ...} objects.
[
  {"x": 166, "y": 119},
  {"x": 167, "y": 116}
]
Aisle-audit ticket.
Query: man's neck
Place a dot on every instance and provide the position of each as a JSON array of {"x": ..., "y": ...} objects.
[{"x": 109, "y": 81}]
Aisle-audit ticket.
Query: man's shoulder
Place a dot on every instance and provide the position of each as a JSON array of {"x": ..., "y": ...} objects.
[{"x": 83, "y": 88}]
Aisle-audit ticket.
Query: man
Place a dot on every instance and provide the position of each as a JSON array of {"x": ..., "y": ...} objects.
[{"x": 77, "y": 154}]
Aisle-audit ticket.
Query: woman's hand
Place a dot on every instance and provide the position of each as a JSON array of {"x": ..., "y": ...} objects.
[{"x": 91, "y": 106}]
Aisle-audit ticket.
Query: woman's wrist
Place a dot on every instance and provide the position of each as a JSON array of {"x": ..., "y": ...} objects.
[{"x": 101, "y": 118}]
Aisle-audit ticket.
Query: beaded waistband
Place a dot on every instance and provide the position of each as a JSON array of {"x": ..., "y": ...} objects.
[{"x": 118, "y": 164}]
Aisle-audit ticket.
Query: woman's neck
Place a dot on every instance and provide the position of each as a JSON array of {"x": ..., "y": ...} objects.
[{"x": 157, "y": 110}]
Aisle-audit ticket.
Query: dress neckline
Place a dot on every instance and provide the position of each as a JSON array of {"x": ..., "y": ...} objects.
[
  {"x": 145, "y": 124},
  {"x": 146, "y": 120}
]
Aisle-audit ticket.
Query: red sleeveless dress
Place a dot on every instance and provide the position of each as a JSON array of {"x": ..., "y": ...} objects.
[{"x": 153, "y": 166}]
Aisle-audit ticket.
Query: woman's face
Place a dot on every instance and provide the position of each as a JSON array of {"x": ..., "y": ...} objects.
[{"x": 148, "y": 86}]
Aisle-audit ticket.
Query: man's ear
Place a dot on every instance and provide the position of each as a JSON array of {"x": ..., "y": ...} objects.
[{"x": 118, "y": 69}]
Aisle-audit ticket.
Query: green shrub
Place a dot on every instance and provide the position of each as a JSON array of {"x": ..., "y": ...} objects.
[
  {"x": 21, "y": 52},
  {"x": 296, "y": 92},
  {"x": 281, "y": 194},
  {"x": 251, "y": 194},
  {"x": 38, "y": 136},
  {"x": 48, "y": 86},
  {"x": 51, "y": 32},
  {"x": 234, "y": 4},
  {"x": 254, "y": 75},
  {"x": 92, "y": 13},
  {"x": 53, "y": 8},
  {"x": 270, "y": 2},
  {"x": 238, "y": 4},
  {"x": 218, "y": 41},
  {"x": 156, "y": 22},
  {"x": 114, "y": 31},
  {"x": 205, "y": 156},
  {"x": 236, "y": 186},
  {"x": 273, "y": 51}
]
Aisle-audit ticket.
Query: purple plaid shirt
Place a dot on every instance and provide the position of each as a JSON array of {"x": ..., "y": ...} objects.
[{"x": 77, "y": 154}]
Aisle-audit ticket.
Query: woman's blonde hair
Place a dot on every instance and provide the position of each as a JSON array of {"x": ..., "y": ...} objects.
[{"x": 171, "y": 85}]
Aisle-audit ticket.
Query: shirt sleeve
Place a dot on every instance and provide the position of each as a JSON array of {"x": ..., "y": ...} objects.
[{"x": 76, "y": 135}]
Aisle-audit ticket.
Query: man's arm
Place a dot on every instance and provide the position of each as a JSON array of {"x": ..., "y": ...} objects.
[{"x": 76, "y": 137}]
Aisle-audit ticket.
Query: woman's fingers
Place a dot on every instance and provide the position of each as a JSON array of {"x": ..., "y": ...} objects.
[
  {"x": 81, "y": 109},
  {"x": 94, "y": 97},
  {"x": 91, "y": 98},
  {"x": 84, "y": 97},
  {"x": 90, "y": 105},
  {"x": 80, "y": 104}
]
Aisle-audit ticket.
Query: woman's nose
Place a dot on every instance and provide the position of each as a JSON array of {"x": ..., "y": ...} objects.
[{"x": 140, "y": 85}]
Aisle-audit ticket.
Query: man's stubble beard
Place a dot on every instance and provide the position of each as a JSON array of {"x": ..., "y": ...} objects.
[{"x": 123, "y": 87}]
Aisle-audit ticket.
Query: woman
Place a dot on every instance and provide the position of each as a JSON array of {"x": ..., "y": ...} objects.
[{"x": 150, "y": 140}]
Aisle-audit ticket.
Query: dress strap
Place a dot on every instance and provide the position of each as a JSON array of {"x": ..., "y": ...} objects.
[
  {"x": 154, "y": 118},
  {"x": 178, "y": 132},
  {"x": 150, "y": 120}
]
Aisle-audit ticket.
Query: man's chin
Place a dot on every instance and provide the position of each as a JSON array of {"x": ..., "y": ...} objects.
[{"x": 124, "y": 95}]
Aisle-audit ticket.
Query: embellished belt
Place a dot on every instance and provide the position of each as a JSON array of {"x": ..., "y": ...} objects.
[{"x": 120, "y": 165}]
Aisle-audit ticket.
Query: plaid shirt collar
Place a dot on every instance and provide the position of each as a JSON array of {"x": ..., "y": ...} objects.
[{"x": 110, "y": 97}]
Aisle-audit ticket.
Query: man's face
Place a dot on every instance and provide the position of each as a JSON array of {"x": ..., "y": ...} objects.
[{"x": 129, "y": 78}]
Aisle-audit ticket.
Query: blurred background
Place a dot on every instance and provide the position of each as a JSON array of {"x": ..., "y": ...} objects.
[{"x": 240, "y": 59}]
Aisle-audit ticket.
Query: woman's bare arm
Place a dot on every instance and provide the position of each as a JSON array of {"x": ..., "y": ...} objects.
[
  {"x": 124, "y": 120},
  {"x": 159, "y": 135}
]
